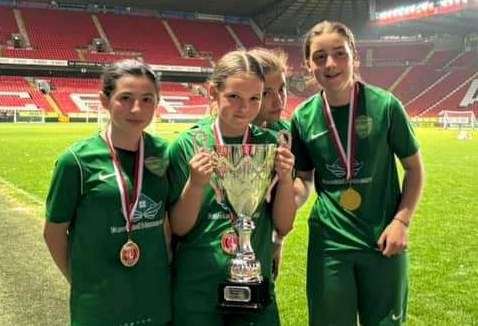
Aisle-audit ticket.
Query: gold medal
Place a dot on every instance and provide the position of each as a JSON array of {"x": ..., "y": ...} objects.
[
  {"x": 229, "y": 242},
  {"x": 350, "y": 199},
  {"x": 129, "y": 253}
]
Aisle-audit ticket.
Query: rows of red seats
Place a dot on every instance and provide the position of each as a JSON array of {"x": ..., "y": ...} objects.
[
  {"x": 8, "y": 24},
  {"x": 19, "y": 84},
  {"x": 247, "y": 35},
  {"x": 452, "y": 103},
  {"x": 440, "y": 58},
  {"x": 382, "y": 76},
  {"x": 205, "y": 36},
  {"x": 418, "y": 79},
  {"x": 438, "y": 91}
]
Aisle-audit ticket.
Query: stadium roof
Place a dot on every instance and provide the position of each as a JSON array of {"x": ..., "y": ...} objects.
[{"x": 294, "y": 17}]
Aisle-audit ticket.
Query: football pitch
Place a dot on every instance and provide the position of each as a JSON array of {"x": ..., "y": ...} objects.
[{"x": 443, "y": 237}]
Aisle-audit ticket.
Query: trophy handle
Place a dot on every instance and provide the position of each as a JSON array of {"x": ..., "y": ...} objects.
[
  {"x": 199, "y": 140},
  {"x": 284, "y": 138}
]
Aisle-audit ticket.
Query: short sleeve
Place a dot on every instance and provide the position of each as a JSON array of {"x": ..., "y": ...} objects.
[
  {"x": 180, "y": 152},
  {"x": 303, "y": 162},
  {"x": 65, "y": 189},
  {"x": 402, "y": 138}
]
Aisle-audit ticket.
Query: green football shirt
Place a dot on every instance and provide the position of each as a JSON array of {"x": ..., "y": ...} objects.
[
  {"x": 84, "y": 192},
  {"x": 382, "y": 132}
]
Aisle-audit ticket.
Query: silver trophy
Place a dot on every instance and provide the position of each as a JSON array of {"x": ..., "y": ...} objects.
[{"x": 243, "y": 175}]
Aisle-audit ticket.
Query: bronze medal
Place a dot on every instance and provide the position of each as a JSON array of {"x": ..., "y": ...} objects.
[
  {"x": 129, "y": 254},
  {"x": 350, "y": 199},
  {"x": 229, "y": 242}
]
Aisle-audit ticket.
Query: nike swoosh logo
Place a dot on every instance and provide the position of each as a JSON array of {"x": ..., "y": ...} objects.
[
  {"x": 397, "y": 317},
  {"x": 103, "y": 177},
  {"x": 317, "y": 135}
]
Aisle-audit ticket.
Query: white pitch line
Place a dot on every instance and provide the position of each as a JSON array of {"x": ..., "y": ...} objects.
[{"x": 20, "y": 190}]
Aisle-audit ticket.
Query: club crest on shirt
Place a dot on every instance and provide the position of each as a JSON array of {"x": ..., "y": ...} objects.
[
  {"x": 338, "y": 170},
  {"x": 363, "y": 126},
  {"x": 156, "y": 165}
]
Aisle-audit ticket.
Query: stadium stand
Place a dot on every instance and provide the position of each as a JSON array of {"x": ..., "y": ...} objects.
[
  {"x": 383, "y": 76},
  {"x": 156, "y": 48},
  {"x": 425, "y": 79},
  {"x": 247, "y": 35},
  {"x": 439, "y": 59},
  {"x": 198, "y": 33},
  {"x": 55, "y": 34},
  {"x": 8, "y": 24},
  {"x": 416, "y": 81},
  {"x": 21, "y": 94}
]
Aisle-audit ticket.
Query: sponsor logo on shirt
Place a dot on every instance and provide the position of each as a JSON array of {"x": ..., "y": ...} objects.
[
  {"x": 144, "y": 321},
  {"x": 146, "y": 209},
  {"x": 145, "y": 216},
  {"x": 217, "y": 216},
  {"x": 338, "y": 170}
]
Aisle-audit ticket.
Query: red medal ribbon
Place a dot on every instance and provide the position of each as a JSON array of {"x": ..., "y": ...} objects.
[
  {"x": 128, "y": 204},
  {"x": 345, "y": 157},
  {"x": 220, "y": 141}
]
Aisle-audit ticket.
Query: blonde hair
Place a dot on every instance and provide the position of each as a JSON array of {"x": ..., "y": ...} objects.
[
  {"x": 272, "y": 61},
  {"x": 233, "y": 63}
]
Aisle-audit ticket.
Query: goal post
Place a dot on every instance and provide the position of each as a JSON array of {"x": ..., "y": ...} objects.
[
  {"x": 22, "y": 114},
  {"x": 457, "y": 119}
]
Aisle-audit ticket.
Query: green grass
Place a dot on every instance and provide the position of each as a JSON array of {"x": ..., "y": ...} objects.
[{"x": 443, "y": 245}]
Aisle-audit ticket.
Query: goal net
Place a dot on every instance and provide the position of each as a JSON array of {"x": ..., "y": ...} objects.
[{"x": 457, "y": 119}]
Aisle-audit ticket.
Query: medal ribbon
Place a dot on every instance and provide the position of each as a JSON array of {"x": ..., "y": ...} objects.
[
  {"x": 128, "y": 205},
  {"x": 220, "y": 140},
  {"x": 345, "y": 157}
]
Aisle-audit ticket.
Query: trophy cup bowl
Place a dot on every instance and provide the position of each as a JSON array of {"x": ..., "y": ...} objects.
[{"x": 243, "y": 174}]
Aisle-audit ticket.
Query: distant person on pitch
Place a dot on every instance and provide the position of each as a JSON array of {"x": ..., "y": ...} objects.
[
  {"x": 346, "y": 139},
  {"x": 106, "y": 225}
]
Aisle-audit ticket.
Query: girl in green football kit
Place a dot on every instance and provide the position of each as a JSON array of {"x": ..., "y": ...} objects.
[
  {"x": 206, "y": 242},
  {"x": 345, "y": 139},
  {"x": 274, "y": 103},
  {"x": 106, "y": 210}
]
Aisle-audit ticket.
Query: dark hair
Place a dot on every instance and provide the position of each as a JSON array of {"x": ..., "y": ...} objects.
[
  {"x": 232, "y": 63},
  {"x": 329, "y": 27},
  {"x": 116, "y": 70}
]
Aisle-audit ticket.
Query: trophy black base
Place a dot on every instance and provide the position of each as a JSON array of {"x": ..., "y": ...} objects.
[{"x": 237, "y": 297}]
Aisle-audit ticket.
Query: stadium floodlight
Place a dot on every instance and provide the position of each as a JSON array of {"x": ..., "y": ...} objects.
[{"x": 419, "y": 10}]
